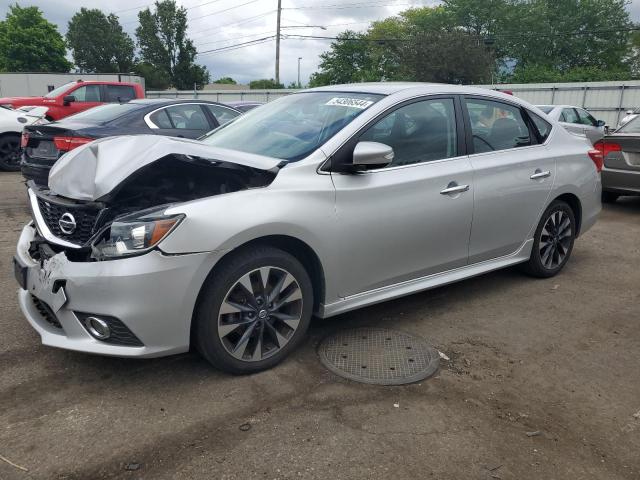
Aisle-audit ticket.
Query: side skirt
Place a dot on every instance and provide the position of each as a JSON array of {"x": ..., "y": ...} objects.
[{"x": 408, "y": 287}]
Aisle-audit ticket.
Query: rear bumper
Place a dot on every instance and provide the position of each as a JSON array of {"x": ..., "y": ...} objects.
[
  {"x": 38, "y": 173},
  {"x": 625, "y": 182},
  {"x": 154, "y": 295}
]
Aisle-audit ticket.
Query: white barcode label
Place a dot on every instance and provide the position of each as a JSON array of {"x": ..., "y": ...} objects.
[{"x": 349, "y": 102}]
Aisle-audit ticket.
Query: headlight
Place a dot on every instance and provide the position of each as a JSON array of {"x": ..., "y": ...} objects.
[{"x": 134, "y": 234}]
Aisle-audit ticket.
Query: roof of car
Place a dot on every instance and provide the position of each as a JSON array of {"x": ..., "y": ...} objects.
[{"x": 171, "y": 101}]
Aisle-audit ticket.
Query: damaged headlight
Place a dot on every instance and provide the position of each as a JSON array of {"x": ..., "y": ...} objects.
[{"x": 134, "y": 234}]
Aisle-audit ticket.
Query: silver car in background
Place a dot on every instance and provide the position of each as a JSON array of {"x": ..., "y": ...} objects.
[
  {"x": 320, "y": 202},
  {"x": 576, "y": 120}
]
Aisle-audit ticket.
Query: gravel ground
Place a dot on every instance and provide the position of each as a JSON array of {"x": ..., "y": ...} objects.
[{"x": 543, "y": 382}]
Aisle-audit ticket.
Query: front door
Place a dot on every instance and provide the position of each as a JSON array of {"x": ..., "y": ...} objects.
[
  {"x": 513, "y": 176},
  {"x": 411, "y": 218}
]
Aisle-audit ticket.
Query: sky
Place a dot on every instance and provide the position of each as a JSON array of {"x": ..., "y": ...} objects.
[{"x": 216, "y": 24}]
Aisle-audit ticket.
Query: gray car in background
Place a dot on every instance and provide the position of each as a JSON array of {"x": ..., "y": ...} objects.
[
  {"x": 621, "y": 170},
  {"x": 318, "y": 203},
  {"x": 576, "y": 120}
]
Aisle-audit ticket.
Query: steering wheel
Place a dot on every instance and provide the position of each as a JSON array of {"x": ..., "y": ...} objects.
[{"x": 483, "y": 141}]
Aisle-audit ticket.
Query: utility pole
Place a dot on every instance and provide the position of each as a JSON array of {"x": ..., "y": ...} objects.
[
  {"x": 278, "y": 42},
  {"x": 299, "y": 58}
]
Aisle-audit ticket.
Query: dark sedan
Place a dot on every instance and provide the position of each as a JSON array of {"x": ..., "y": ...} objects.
[
  {"x": 44, "y": 144},
  {"x": 621, "y": 156}
]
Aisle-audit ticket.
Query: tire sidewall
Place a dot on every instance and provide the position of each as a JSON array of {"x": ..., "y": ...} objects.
[
  {"x": 536, "y": 259},
  {"x": 3, "y": 163},
  {"x": 215, "y": 291}
]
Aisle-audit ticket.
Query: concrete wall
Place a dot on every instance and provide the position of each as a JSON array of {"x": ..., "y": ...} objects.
[
  {"x": 605, "y": 100},
  {"x": 36, "y": 84}
]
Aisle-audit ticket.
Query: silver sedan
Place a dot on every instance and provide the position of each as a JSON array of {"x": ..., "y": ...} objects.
[
  {"x": 576, "y": 120},
  {"x": 318, "y": 203}
]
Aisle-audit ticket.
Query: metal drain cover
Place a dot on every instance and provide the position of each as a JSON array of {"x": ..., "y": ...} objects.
[{"x": 378, "y": 356}]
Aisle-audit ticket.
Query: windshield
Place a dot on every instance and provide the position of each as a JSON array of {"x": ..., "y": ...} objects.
[
  {"x": 105, "y": 113},
  {"x": 292, "y": 127},
  {"x": 633, "y": 126},
  {"x": 57, "y": 91},
  {"x": 546, "y": 108}
]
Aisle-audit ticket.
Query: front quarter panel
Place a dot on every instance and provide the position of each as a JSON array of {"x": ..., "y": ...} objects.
[{"x": 300, "y": 203}]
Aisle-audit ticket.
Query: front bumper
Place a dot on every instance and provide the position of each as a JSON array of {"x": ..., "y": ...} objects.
[{"x": 153, "y": 295}]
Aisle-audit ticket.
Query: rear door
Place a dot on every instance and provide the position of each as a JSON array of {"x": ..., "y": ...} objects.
[
  {"x": 513, "y": 175},
  {"x": 186, "y": 120},
  {"x": 411, "y": 218},
  {"x": 590, "y": 126},
  {"x": 570, "y": 120},
  {"x": 221, "y": 113}
]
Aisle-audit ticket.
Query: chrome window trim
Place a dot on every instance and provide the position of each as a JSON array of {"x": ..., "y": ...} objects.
[
  {"x": 41, "y": 225},
  {"x": 147, "y": 117}
]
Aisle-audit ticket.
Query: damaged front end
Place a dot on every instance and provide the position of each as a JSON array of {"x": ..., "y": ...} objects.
[{"x": 108, "y": 199}]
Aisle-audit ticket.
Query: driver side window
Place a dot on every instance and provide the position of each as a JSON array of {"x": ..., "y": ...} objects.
[{"x": 419, "y": 132}]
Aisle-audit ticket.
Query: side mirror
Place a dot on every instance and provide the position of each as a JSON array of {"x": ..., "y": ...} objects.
[
  {"x": 372, "y": 154},
  {"x": 67, "y": 99},
  {"x": 600, "y": 123},
  {"x": 629, "y": 112}
]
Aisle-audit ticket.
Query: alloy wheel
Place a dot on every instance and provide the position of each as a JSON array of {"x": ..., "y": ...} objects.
[
  {"x": 260, "y": 314},
  {"x": 555, "y": 239}
]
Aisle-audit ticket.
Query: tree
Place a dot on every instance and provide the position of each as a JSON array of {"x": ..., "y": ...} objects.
[
  {"x": 28, "y": 43},
  {"x": 226, "y": 81},
  {"x": 98, "y": 42},
  {"x": 265, "y": 84},
  {"x": 164, "y": 44},
  {"x": 154, "y": 78}
]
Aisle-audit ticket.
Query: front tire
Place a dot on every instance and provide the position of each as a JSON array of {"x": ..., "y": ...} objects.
[
  {"x": 553, "y": 241},
  {"x": 254, "y": 310},
  {"x": 10, "y": 154}
]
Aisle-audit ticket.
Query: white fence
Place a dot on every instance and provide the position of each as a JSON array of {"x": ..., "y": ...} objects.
[{"x": 605, "y": 100}]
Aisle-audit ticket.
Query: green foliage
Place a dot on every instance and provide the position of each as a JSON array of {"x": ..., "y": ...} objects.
[
  {"x": 226, "y": 81},
  {"x": 154, "y": 78},
  {"x": 164, "y": 44},
  {"x": 28, "y": 43},
  {"x": 98, "y": 43},
  {"x": 471, "y": 41},
  {"x": 265, "y": 84}
]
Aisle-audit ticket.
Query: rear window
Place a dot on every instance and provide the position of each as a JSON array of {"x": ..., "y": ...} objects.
[
  {"x": 105, "y": 113},
  {"x": 632, "y": 127},
  {"x": 120, "y": 93}
]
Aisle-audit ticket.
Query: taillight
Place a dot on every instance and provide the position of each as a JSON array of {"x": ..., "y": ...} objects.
[
  {"x": 24, "y": 140},
  {"x": 602, "y": 149},
  {"x": 64, "y": 144},
  {"x": 598, "y": 159}
]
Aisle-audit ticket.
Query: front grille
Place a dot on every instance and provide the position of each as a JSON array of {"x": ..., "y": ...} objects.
[
  {"x": 85, "y": 219},
  {"x": 46, "y": 312}
]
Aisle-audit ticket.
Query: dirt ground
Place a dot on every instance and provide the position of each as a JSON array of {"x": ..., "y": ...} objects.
[{"x": 543, "y": 382}]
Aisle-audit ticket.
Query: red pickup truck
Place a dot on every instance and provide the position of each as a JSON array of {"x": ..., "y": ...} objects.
[{"x": 77, "y": 96}]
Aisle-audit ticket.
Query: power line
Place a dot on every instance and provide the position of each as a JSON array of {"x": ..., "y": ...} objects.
[
  {"x": 240, "y": 22},
  {"x": 343, "y": 6},
  {"x": 235, "y": 38},
  {"x": 223, "y": 10},
  {"x": 238, "y": 45}
]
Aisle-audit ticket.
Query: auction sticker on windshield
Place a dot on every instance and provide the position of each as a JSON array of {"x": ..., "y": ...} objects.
[{"x": 350, "y": 102}]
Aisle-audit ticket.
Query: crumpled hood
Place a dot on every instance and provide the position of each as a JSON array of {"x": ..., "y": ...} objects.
[{"x": 93, "y": 170}]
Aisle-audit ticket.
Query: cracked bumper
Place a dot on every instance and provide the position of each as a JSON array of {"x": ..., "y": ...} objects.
[{"x": 153, "y": 295}]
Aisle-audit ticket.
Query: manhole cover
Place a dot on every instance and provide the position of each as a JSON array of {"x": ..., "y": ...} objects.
[{"x": 379, "y": 356}]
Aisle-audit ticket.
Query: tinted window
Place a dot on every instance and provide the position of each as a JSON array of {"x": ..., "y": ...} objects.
[
  {"x": 419, "y": 132},
  {"x": 546, "y": 108},
  {"x": 633, "y": 126},
  {"x": 496, "y": 126},
  {"x": 544, "y": 127},
  {"x": 105, "y": 113},
  {"x": 586, "y": 118},
  {"x": 222, "y": 114},
  {"x": 88, "y": 93},
  {"x": 569, "y": 115},
  {"x": 183, "y": 117},
  {"x": 120, "y": 93},
  {"x": 292, "y": 127},
  {"x": 161, "y": 119}
]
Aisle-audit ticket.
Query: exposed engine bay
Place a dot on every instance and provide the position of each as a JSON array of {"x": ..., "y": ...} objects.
[{"x": 74, "y": 226}]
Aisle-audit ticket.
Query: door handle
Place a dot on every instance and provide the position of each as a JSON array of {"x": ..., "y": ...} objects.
[
  {"x": 538, "y": 174},
  {"x": 454, "y": 188}
]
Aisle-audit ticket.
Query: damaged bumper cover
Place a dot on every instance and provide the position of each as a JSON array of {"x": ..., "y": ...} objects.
[{"x": 152, "y": 295}]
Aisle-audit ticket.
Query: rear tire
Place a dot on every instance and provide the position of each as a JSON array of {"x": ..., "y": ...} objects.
[
  {"x": 10, "y": 153},
  {"x": 553, "y": 241},
  {"x": 609, "y": 197},
  {"x": 253, "y": 311}
]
